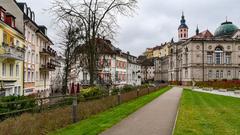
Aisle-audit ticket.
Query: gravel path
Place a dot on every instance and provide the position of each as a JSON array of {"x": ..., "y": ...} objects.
[{"x": 156, "y": 118}]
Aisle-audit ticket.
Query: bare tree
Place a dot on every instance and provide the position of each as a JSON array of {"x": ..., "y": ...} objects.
[
  {"x": 94, "y": 17},
  {"x": 70, "y": 41}
]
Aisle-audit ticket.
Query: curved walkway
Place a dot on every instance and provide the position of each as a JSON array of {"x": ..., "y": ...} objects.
[{"x": 156, "y": 118}]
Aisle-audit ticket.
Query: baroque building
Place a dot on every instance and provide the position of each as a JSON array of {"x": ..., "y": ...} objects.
[{"x": 202, "y": 57}]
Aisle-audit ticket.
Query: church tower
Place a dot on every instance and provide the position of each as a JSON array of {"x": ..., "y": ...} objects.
[{"x": 183, "y": 29}]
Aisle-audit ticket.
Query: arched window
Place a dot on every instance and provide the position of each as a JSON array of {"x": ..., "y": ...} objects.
[{"x": 218, "y": 55}]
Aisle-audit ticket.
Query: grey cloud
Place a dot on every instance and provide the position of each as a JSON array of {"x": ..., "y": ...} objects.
[{"x": 156, "y": 21}]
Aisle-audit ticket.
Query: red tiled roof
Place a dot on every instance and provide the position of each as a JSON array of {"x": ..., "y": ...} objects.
[{"x": 204, "y": 34}]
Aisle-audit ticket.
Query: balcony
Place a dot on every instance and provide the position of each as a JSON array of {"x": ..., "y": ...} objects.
[
  {"x": 48, "y": 67},
  {"x": 55, "y": 62},
  {"x": 12, "y": 52},
  {"x": 48, "y": 52}
]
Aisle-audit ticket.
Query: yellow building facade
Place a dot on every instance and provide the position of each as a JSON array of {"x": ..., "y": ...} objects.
[{"x": 11, "y": 59}]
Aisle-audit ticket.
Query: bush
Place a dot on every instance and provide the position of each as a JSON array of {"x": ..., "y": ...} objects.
[
  {"x": 224, "y": 84},
  {"x": 93, "y": 92},
  {"x": 18, "y": 105},
  {"x": 146, "y": 85},
  {"x": 115, "y": 91},
  {"x": 127, "y": 88}
]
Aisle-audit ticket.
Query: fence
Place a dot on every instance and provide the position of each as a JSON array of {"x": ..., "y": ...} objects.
[{"x": 56, "y": 112}]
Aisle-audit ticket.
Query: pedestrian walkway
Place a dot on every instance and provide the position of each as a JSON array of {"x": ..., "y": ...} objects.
[{"x": 156, "y": 118}]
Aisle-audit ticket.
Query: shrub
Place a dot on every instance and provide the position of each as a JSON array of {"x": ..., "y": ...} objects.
[
  {"x": 226, "y": 84},
  {"x": 127, "y": 88},
  {"x": 94, "y": 91},
  {"x": 20, "y": 102},
  {"x": 115, "y": 91},
  {"x": 15, "y": 103}
]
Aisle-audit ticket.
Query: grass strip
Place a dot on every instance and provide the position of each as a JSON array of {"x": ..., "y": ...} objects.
[
  {"x": 100, "y": 122},
  {"x": 208, "y": 114}
]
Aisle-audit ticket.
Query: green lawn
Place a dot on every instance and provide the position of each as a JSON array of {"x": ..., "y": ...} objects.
[
  {"x": 207, "y": 114},
  {"x": 107, "y": 119}
]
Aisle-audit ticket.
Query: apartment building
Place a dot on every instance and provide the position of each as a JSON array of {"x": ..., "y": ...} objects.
[
  {"x": 12, "y": 50},
  {"x": 114, "y": 67},
  {"x": 39, "y": 56}
]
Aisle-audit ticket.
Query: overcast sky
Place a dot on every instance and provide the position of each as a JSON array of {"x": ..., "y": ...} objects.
[{"x": 156, "y": 21}]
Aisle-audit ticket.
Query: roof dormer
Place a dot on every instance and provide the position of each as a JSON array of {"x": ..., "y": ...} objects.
[
  {"x": 2, "y": 13},
  {"x": 33, "y": 16},
  {"x": 29, "y": 13},
  {"x": 10, "y": 20},
  {"x": 43, "y": 29}
]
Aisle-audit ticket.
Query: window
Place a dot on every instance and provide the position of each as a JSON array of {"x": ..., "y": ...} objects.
[
  {"x": 2, "y": 16},
  {"x": 17, "y": 70},
  {"x": 25, "y": 76},
  {"x": 229, "y": 73},
  {"x": 28, "y": 36},
  {"x": 29, "y": 57},
  {"x": 4, "y": 37},
  {"x": 32, "y": 58},
  {"x": 32, "y": 76},
  {"x": 13, "y": 23},
  {"x": 37, "y": 76},
  {"x": 11, "y": 70},
  {"x": 37, "y": 59},
  {"x": 228, "y": 58},
  {"x": 210, "y": 74},
  {"x": 29, "y": 76},
  {"x": 186, "y": 58},
  {"x": 17, "y": 43},
  {"x": 217, "y": 74},
  {"x": 209, "y": 58},
  {"x": 32, "y": 40},
  {"x": 219, "y": 55},
  {"x": 4, "y": 69},
  {"x": 221, "y": 74},
  {"x": 186, "y": 73}
]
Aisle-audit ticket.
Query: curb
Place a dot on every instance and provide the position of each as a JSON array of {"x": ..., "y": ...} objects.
[{"x": 176, "y": 118}]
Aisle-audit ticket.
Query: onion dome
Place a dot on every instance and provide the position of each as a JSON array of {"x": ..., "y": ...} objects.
[{"x": 226, "y": 29}]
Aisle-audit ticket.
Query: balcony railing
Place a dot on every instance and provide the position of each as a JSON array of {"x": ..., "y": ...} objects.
[
  {"x": 55, "y": 62},
  {"x": 48, "y": 67},
  {"x": 48, "y": 51},
  {"x": 12, "y": 52}
]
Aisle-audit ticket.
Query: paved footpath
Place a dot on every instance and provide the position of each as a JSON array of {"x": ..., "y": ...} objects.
[{"x": 156, "y": 118}]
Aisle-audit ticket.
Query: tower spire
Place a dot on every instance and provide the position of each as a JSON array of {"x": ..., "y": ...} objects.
[
  {"x": 197, "y": 30},
  {"x": 183, "y": 28}
]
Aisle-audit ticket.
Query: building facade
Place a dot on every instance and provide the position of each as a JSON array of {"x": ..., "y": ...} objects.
[
  {"x": 204, "y": 56},
  {"x": 39, "y": 56},
  {"x": 147, "y": 70},
  {"x": 114, "y": 67},
  {"x": 11, "y": 55}
]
